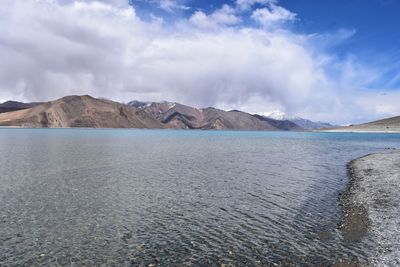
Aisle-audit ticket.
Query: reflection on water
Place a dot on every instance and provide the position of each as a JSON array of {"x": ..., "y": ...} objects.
[{"x": 137, "y": 197}]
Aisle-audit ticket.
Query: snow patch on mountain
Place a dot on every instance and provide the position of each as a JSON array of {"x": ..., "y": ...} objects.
[{"x": 304, "y": 123}]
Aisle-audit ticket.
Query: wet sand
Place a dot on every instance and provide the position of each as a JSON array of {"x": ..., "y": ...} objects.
[{"x": 371, "y": 205}]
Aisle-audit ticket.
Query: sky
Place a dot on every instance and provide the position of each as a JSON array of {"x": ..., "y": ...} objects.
[{"x": 336, "y": 61}]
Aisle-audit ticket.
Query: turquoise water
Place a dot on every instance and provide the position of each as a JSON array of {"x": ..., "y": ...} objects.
[{"x": 165, "y": 197}]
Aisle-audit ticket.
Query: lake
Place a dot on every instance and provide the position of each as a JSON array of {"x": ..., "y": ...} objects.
[{"x": 97, "y": 197}]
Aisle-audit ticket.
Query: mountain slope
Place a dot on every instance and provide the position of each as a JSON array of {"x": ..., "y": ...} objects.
[
  {"x": 285, "y": 125},
  {"x": 236, "y": 120},
  {"x": 176, "y": 115},
  {"x": 80, "y": 111}
]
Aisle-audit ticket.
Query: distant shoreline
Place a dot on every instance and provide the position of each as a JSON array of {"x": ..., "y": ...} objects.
[
  {"x": 370, "y": 204},
  {"x": 12, "y": 127},
  {"x": 230, "y": 130},
  {"x": 355, "y": 131},
  {"x": 164, "y": 129}
]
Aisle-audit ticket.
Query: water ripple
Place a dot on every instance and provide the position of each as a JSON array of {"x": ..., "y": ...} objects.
[{"x": 134, "y": 198}]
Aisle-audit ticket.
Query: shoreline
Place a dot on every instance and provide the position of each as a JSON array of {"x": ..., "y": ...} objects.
[
  {"x": 357, "y": 131},
  {"x": 370, "y": 205},
  {"x": 355, "y": 220},
  {"x": 14, "y": 127},
  {"x": 229, "y": 130}
]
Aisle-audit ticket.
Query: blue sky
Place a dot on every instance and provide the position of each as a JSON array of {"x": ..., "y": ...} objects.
[
  {"x": 375, "y": 21},
  {"x": 374, "y": 24},
  {"x": 376, "y": 39},
  {"x": 334, "y": 61}
]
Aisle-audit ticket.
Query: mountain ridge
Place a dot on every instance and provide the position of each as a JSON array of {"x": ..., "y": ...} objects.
[
  {"x": 177, "y": 115},
  {"x": 304, "y": 123},
  {"x": 9, "y": 106}
]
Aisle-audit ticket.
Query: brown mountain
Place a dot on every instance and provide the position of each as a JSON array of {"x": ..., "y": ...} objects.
[
  {"x": 176, "y": 115},
  {"x": 385, "y": 125},
  {"x": 86, "y": 111},
  {"x": 80, "y": 111}
]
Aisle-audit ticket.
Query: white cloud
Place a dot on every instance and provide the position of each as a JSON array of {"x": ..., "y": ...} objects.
[
  {"x": 223, "y": 16},
  {"x": 247, "y": 4},
  {"x": 171, "y": 5},
  {"x": 49, "y": 49},
  {"x": 116, "y": 3},
  {"x": 226, "y": 15},
  {"x": 273, "y": 14},
  {"x": 379, "y": 104}
]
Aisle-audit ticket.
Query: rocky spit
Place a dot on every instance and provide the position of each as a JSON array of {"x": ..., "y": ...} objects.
[{"x": 371, "y": 205}]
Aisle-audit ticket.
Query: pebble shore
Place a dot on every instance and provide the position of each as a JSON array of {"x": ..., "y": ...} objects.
[{"x": 371, "y": 205}]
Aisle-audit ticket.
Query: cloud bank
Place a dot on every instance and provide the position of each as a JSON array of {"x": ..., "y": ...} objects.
[{"x": 239, "y": 56}]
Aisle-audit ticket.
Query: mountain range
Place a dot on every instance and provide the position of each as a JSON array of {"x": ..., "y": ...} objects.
[
  {"x": 87, "y": 111},
  {"x": 179, "y": 116}
]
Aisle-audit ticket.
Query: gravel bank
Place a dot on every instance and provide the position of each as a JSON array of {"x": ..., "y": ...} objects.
[{"x": 371, "y": 205}]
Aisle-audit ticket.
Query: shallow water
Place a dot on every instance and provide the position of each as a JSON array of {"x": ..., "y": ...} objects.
[{"x": 187, "y": 198}]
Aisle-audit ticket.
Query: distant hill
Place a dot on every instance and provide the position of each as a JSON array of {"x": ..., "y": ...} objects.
[
  {"x": 311, "y": 125},
  {"x": 80, "y": 111},
  {"x": 385, "y": 125},
  {"x": 14, "y": 105}
]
